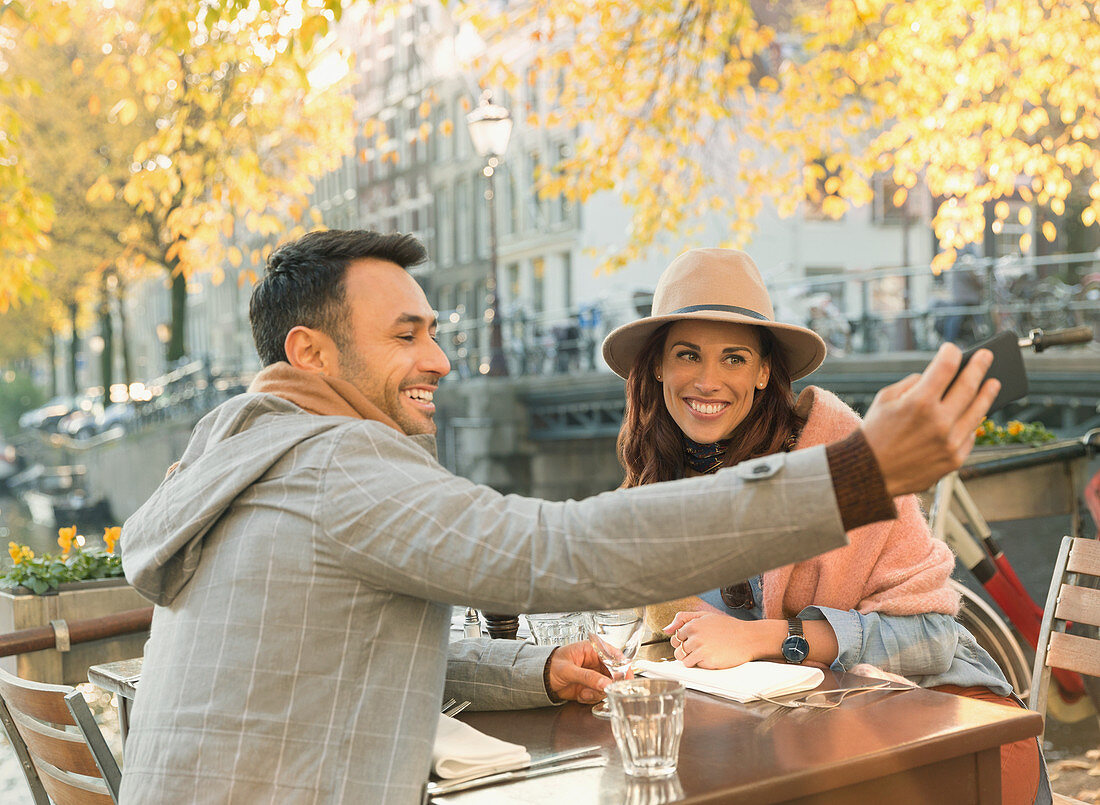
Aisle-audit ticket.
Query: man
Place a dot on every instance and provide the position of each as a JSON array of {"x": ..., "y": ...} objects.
[{"x": 307, "y": 549}]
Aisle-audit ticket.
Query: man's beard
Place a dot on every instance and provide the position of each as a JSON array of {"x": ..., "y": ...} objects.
[{"x": 355, "y": 372}]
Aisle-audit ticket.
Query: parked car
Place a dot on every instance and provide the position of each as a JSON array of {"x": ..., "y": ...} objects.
[
  {"x": 46, "y": 416},
  {"x": 116, "y": 415},
  {"x": 80, "y": 422},
  {"x": 10, "y": 463}
]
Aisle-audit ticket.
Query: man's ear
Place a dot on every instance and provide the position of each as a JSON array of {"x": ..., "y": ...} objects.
[{"x": 311, "y": 350}]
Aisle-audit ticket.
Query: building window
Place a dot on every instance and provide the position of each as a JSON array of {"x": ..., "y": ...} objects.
[
  {"x": 885, "y": 212},
  {"x": 538, "y": 285},
  {"x": 444, "y": 226},
  {"x": 567, "y": 280},
  {"x": 463, "y": 222}
]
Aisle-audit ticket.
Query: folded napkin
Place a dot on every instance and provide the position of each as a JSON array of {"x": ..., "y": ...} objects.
[
  {"x": 743, "y": 683},
  {"x": 462, "y": 751}
]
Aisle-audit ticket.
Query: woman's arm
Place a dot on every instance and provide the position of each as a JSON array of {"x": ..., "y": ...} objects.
[
  {"x": 911, "y": 645},
  {"x": 715, "y": 640}
]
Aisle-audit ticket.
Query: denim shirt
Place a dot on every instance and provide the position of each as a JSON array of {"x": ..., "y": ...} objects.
[{"x": 929, "y": 649}]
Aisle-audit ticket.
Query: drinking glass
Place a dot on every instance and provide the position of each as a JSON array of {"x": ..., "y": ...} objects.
[
  {"x": 647, "y": 719},
  {"x": 616, "y": 635},
  {"x": 557, "y": 628}
]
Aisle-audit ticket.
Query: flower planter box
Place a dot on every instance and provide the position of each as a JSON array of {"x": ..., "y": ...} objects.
[{"x": 22, "y": 609}]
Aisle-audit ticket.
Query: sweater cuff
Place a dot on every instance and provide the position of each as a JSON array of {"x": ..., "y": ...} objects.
[
  {"x": 858, "y": 483},
  {"x": 554, "y": 698}
]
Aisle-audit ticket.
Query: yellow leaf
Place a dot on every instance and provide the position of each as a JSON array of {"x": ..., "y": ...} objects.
[
  {"x": 233, "y": 254},
  {"x": 1025, "y": 243},
  {"x": 78, "y": 66},
  {"x": 94, "y": 105},
  {"x": 900, "y": 195},
  {"x": 1049, "y": 231},
  {"x": 125, "y": 110}
]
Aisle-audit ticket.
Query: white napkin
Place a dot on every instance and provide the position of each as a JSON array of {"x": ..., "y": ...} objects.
[
  {"x": 743, "y": 683},
  {"x": 462, "y": 751}
]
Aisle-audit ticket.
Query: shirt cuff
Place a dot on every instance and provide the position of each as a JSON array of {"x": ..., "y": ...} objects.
[
  {"x": 858, "y": 483},
  {"x": 848, "y": 628}
]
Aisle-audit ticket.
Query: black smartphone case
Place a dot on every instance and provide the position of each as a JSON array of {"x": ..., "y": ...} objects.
[{"x": 1008, "y": 367}]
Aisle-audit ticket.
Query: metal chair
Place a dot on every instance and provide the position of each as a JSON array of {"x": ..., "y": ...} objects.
[{"x": 59, "y": 745}]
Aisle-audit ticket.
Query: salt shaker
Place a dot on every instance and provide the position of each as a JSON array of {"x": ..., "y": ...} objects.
[{"x": 471, "y": 624}]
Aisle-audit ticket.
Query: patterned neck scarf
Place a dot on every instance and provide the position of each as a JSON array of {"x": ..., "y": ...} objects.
[{"x": 704, "y": 458}]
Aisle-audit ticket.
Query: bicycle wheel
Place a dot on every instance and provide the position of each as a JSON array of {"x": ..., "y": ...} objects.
[{"x": 995, "y": 636}]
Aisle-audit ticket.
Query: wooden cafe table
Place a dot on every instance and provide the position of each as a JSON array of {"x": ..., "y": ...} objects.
[
  {"x": 913, "y": 746},
  {"x": 900, "y": 748}
]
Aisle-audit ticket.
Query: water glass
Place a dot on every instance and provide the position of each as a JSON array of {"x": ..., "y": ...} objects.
[
  {"x": 557, "y": 628},
  {"x": 647, "y": 719}
]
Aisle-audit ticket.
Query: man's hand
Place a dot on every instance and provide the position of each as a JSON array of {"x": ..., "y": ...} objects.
[
  {"x": 577, "y": 674},
  {"x": 918, "y": 434}
]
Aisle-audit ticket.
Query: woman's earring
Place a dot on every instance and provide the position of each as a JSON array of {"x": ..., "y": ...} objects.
[{"x": 658, "y": 378}]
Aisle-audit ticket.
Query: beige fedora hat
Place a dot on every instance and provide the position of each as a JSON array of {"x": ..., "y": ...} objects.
[{"x": 713, "y": 285}]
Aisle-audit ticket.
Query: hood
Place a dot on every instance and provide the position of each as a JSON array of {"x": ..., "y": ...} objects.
[{"x": 231, "y": 448}]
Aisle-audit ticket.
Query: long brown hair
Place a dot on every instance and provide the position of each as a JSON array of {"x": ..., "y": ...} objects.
[{"x": 650, "y": 443}]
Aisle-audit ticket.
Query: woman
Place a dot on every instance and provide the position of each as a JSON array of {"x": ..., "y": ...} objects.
[{"x": 708, "y": 385}]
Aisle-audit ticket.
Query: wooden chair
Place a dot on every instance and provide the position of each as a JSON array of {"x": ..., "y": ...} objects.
[
  {"x": 59, "y": 745},
  {"x": 1069, "y": 600}
]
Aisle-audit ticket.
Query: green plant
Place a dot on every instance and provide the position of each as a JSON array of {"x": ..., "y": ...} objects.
[
  {"x": 1014, "y": 432},
  {"x": 40, "y": 574}
]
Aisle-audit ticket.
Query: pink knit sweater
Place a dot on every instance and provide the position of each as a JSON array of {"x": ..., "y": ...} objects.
[{"x": 894, "y": 567}]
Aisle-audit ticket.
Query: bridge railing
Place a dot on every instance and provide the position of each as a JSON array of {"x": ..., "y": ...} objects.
[{"x": 856, "y": 312}]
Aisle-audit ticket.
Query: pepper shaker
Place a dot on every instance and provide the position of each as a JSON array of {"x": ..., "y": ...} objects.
[{"x": 471, "y": 625}]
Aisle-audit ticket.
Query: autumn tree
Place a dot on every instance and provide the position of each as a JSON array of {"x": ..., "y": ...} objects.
[
  {"x": 238, "y": 133},
  {"x": 68, "y": 145},
  {"x": 25, "y": 212},
  {"x": 231, "y": 109},
  {"x": 690, "y": 108}
]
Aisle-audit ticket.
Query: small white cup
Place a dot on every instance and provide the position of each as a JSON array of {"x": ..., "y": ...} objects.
[{"x": 647, "y": 719}]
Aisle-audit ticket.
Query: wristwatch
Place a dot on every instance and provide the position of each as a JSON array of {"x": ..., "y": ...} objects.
[{"x": 795, "y": 647}]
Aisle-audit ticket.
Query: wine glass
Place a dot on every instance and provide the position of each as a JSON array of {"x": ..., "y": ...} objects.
[{"x": 616, "y": 635}]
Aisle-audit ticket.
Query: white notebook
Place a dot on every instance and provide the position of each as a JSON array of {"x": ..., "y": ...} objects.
[{"x": 743, "y": 683}]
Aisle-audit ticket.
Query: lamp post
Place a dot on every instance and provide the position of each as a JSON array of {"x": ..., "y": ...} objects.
[{"x": 490, "y": 129}]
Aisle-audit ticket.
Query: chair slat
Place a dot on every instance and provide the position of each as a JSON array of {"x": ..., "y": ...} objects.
[
  {"x": 1078, "y": 604},
  {"x": 71, "y": 789},
  {"x": 1074, "y": 653},
  {"x": 65, "y": 750},
  {"x": 1085, "y": 557},
  {"x": 44, "y": 702}
]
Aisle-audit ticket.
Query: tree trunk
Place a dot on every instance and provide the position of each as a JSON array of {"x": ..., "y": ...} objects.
[
  {"x": 179, "y": 314},
  {"x": 52, "y": 352},
  {"x": 124, "y": 334},
  {"x": 74, "y": 346},
  {"x": 107, "y": 333}
]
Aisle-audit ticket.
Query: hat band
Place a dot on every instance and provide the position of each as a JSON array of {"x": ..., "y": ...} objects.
[{"x": 744, "y": 311}]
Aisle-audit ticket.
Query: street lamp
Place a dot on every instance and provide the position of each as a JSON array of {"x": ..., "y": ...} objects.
[{"x": 490, "y": 128}]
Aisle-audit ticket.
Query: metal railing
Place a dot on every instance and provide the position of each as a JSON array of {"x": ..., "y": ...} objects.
[{"x": 862, "y": 312}]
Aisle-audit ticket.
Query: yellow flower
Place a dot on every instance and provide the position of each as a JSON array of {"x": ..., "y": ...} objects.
[
  {"x": 16, "y": 552},
  {"x": 110, "y": 536},
  {"x": 1014, "y": 428},
  {"x": 27, "y": 553},
  {"x": 65, "y": 537},
  {"x": 980, "y": 431}
]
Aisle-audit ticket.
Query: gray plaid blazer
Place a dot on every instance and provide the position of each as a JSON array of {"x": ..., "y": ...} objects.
[{"x": 304, "y": 568}]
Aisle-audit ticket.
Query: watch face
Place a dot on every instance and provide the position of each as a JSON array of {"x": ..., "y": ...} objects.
[{"x": 795, "y": 648}]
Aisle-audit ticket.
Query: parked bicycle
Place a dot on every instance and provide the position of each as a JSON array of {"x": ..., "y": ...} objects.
[{"x": 1037, "y": 482}]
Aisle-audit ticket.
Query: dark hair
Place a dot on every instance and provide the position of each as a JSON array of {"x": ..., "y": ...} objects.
[
  {"x": 650, "y": 442},
  {"x": 304, "y": 284}
]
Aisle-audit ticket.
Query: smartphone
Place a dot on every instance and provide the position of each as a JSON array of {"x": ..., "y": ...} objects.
[{"x": 1007, "y": 366}]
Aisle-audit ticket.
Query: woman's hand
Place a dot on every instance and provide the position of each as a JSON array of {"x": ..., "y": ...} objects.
[{"x": 712, "y": 640}]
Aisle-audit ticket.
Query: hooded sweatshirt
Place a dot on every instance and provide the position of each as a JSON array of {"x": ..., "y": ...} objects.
[{"x": 304, "y": 563}]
